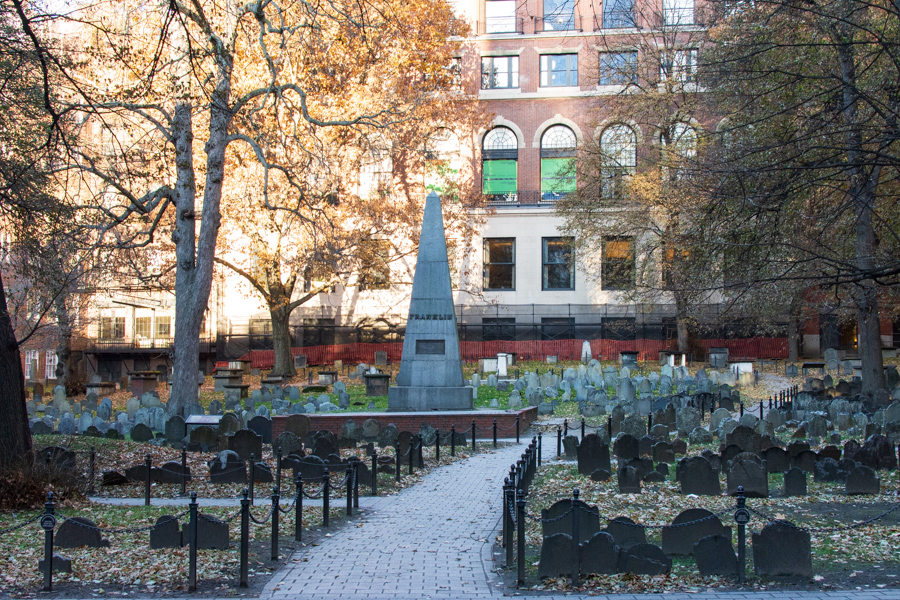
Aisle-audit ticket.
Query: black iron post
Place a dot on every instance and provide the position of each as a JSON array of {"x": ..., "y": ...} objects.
[
  {"x": 349, "y": 490},
  {"x": 453, "y": 440},
  {"x": 495, "y": 432},
  {"x": 276, "y": 501},
  {"x": 517, "y": 429},
  {"x": 397, "y": 461},
  {"x": 609, "y": 426},
  {"x": 760, "y": 409},
  {"x": 742, "y": 517},
  {"x": 326, "y": 493},
  {"x": 565, "y": 428},
  {"x": 582, "y": 428},
  {"x": 540, "y": 448},
  {"x": 356, "y": 464},
  {"x": 148, "y": 462},
  {"x": 252, "y": 476},
  {"x": 575, "y": 537},
  {"x": 473, "y": 436},
  {"x": 558, "y": 441},
  {"x": 742, "y": 408},
  {"x": 437, "y": 446},
  {"x": 183, "y": 470},
  {"x": 245, "y": 537},
  {"x": 48, "y": 522},
  {"x": 374, "y": 472},
  {"x": 520, "y": 522},
  {"x": 192, "y": 544},
  {"x": 298, "y": 509}
]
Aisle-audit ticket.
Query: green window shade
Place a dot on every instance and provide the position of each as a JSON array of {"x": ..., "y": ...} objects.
[
  {"x": 557, "y": 175},
  {"x": 500, "y": 176}
]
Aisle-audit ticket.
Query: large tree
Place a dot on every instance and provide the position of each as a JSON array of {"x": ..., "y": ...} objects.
[
  {"x": 635, "y": 197},
  {"x": 805, "y": 182},
  {"x": 162, "y": 84}
]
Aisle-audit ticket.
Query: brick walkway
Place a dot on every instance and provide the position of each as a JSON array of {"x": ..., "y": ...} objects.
[{"x": 430, "y": 541}]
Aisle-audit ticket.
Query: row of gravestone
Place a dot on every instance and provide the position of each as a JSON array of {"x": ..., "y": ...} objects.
[
  {"x": 622, "y": 546},
  {"x": 212, "y": 534}
]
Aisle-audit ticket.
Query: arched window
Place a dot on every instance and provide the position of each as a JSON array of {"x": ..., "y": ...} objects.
[
  {"x": 557, "y": 162},
  {"x": 500, "y": 154},
  {"x": 618, "y": 149},
  {"x": 442, "y": 160}
]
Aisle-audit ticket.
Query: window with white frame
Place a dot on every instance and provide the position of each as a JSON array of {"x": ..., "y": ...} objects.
[
  {"x": 31, "y": 357},
  {"x": 500, "y": 155},
  {"x": 500, "y": 16},
  {"x": 618, "y": 148},
  {"x": 559, "y": 70},
  {"x": 680, "y": 148},
  {"x": 681, "y": 65},
  {"x": 678, "y": 12},
  {"x": 558, "y": 258},
  {"x": 618, "y": 68},
  {"x": 51, "y": 360},
  {"x": 499, "y": 72},
  {"x": 618, "y": 14},
  {"x": 559, "y": 15},
  {"x": 557, "y": 162}
]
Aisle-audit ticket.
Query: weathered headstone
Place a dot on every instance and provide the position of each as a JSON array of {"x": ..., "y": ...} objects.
[{"x": 781, "y": 549}]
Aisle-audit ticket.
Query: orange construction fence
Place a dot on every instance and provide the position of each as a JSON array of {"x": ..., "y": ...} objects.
[{"x": 747, "y": 348}]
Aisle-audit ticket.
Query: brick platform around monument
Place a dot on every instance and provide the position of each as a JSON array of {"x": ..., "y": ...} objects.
[{"x": 412, "y": 421}]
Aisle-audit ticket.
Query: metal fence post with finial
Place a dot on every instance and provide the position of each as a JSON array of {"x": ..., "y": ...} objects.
[{"x": 48, "y": 523}]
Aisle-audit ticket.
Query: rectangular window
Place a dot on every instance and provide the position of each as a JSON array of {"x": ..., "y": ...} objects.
[
  {"x": 678, "y": 12},
  {"x": 557, "y": 328},
  {"x": 559, "y": 70},
  {"x": 51, "y": 361},
  {"x": 31, "y": 357},
  {"x": 559, "y": 15},
  {"x": 499, "y": 264},
  {"x": 558, "y": 264},
  {"x": 498, "y": 72},
  {"x": 617, "y": 267},
  {"x": 112, "y": 328},
  {"x": 498, "y": 328},
  {"x": 142, "y": 327},
  {"x": 164, "y": 327},
  {"x": 681, "y": 65},
  {"x": 619, "y": 328},
  {"x": 618, "y": 68},
  {"x": 499, "y": 177},
  {"x": 557, "y": 178},
  {"x": 618, "y": 14},
  {"x": 500, "y": 16}
]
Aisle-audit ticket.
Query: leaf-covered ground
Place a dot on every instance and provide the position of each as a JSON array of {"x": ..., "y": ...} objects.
[{"x": 867, "y": 556}]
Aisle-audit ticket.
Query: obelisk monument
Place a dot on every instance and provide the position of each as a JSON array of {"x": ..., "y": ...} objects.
[{"x": 430, "y": 376}]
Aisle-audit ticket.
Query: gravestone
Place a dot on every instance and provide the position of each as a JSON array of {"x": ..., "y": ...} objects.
[
  {"x": 570, "y": 446},
  {"x": 715, "y": 556},
  {"x": 299, "y": 425},
  {"x": 745, "y": 438},
  {"x": 698, "y": 477},
  {"x": 625, "y": 532},
  {"x": 558, "y": 519},
  {"x": 681, "y": 540},
  {"x": 629, "y": 480},
  {"x": 171, "y": 472},
  {"x": 777, "y": 459},
  {"x": 370, "y": 430},
  {"x": 262, "y": 427},
  {"x": 141, "y": 433},
  {"x": 166, "y": 533},
  {"x": 862, "y": 481},
  {"x": 212, "y": 533},
  {"x": 626, "y": 447},
  {"x": 205, "y": 437},
  {"x": 244, "y": 443},
  {"x": 76, "y": 532},
  {"x": 557, "y": 556},
  {"x": 229, "y": 424},
  {"x": 644, "y": 559},
  {"x": 599, "y": 555},
  {"x": 782, "y": 549},
  {"x": 750, "y": 475},
  {"x": 592, "y": 454},
  {"x": 794, "y": 482},
  {"x": 311, "y": 468},
  {"x": 387, "y": 436},
  {"x": 227, "y": 467}
]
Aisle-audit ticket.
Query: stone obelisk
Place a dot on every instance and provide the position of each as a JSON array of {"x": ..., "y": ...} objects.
[{"x": 430, "y": 376}]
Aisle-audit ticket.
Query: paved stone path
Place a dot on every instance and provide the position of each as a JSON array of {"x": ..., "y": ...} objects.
[{"x": 430, "y": 541}]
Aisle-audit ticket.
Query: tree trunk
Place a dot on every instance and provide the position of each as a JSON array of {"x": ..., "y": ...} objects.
[
  {"x": 869, "y": 340},
  {"x": 682, "y": 324},
  {"x": 63, "y": 341},
  {"x": 793, "y": 333},
  {"x": 15, "y": 436},
  {"x": 281, "y": 334}
]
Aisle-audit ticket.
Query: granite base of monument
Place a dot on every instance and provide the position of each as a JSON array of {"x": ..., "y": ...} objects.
[{"x": 416, "y": 398}]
